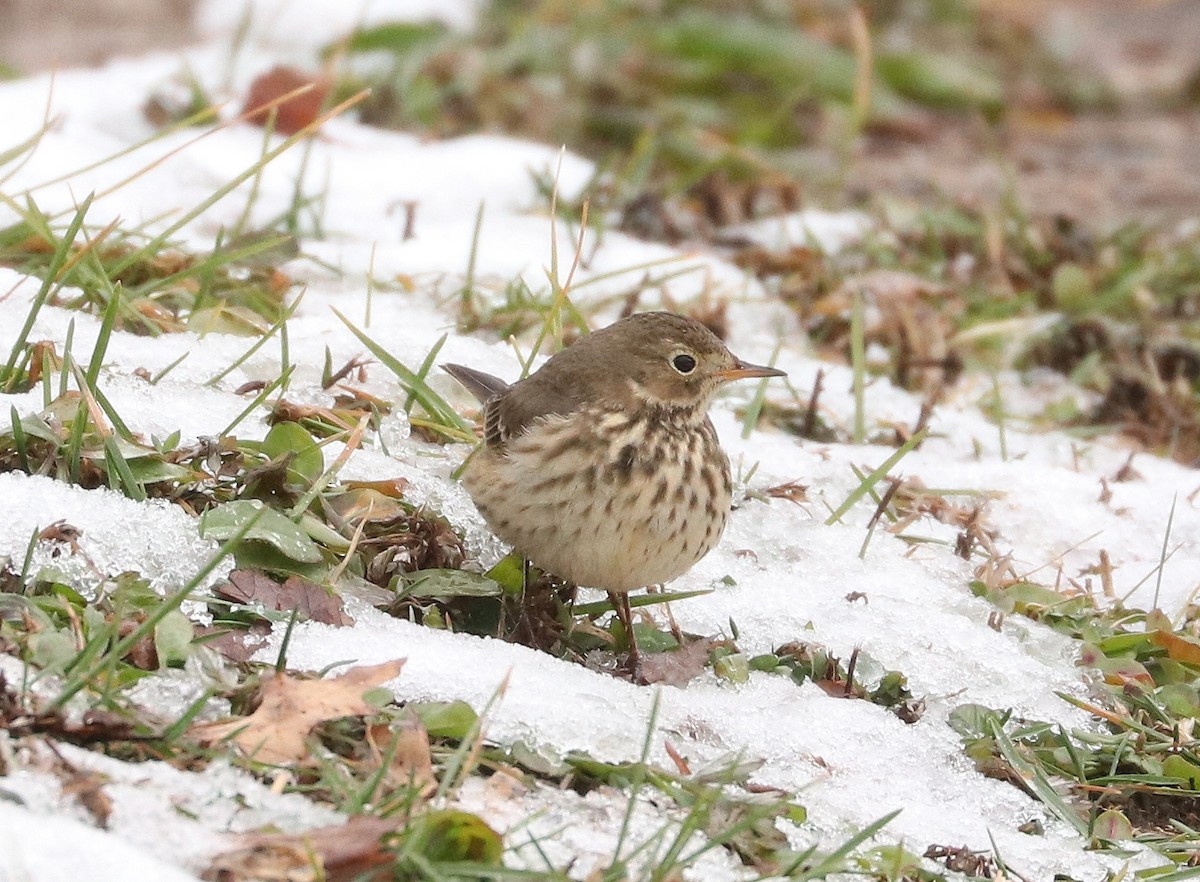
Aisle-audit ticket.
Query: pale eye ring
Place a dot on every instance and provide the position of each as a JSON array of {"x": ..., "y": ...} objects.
[{"x": 683, "y": 363}]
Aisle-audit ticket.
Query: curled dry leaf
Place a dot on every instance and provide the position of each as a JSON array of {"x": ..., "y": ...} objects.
[
  {"x": 396, "y": 537},
  {"x": 289, "y": 708},
  {"x": 792, "y": 491},
  {"x": 344, "y": 852}
]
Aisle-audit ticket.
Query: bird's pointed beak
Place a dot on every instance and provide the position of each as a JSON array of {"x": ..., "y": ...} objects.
[{"x": 743, "y": 370}]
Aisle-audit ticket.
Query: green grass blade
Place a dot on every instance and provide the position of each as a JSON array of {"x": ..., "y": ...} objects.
[
  {"x": 858, "y": 363},
  {"x": 116, "y": 464},
  {"x": 20, "y": 442},
  {"x": 79, "y": 679},
  {"x": 62, "y": 252},
  {"x": 259, "y": 343},
  {"x": 437, "y": 407},
  {"x": 1038, "y": 781},
  {"x": 875, "y": 477},
  {"x": 423, "y": 370}
]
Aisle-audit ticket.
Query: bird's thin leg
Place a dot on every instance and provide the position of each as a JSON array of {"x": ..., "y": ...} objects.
[{"x": 620, "y": 602}]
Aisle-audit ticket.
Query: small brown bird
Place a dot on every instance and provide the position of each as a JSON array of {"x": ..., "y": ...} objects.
[{"x": 602, "y": 467}]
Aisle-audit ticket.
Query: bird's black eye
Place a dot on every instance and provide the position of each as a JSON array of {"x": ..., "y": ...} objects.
[{"x": 683, "y": 363}]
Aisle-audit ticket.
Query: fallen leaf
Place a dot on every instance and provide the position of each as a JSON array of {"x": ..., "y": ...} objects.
[
  {"x": 344, "y": 852},
  {"x": 311, "y": 600},
  {"x": 318, "y": 603},
  {"x": 87, "y": 788},
  {"x": 1181, "y": 649},
  {"x": 677, "y": 667},
  {"x": 792, "y": 491},
  {"x": 294, "y": 113},
  {"x": 289, "y": 709},
  {"x": 236, "y": 644},
  {"x": 410, "y": 763},
  {"x": 356, "y": 849}
]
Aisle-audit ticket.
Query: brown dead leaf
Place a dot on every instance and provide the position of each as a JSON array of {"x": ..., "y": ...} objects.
[
  {"x": 252, "y": 386},
  {"x": 293, "y": 113},
  {"x": 85, "y": 786},
  {"x": 319, "y": 604},
  {"x": 289, "y": 708},
  {"x": 411, "y": 763},
  {"x": 724, "y": 201},
  {"x": 767, "y": 262},
  {"x": 681, "y": 763},
  {"x": 345, "y": 852},
  {"x": 61, "y": 531},
  {"x": 142, "y": 654},
  {"x": 1181, "y": 649},
  {"x": 42, "y": 354},
  {"x": 312, "y": 601},
  {"x": 88, "y": 790},
  {"x": 236, "y": 644},
  {"x": 393, "y": 488},
  {"x": 678, "y": 667},
  {"x": 792, "y": 491}
]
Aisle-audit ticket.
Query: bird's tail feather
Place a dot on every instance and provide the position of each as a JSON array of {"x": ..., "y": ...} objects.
[{"x": 482, "y": 386}]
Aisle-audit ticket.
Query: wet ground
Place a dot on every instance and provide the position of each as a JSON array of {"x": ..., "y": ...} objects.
[{"x": 1141, "y": 162}]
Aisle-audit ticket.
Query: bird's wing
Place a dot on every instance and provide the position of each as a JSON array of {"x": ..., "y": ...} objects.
[
  {"x": 509, "y": 410},
  {"x": 511, "y": 414}
]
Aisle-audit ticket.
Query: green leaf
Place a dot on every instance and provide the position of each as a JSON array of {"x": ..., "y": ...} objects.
[
  {"x": 733, "y": 668},
  {"x": 1180, "y": 699},
  {"x": 974, "y": 720},
  {"x": 173, "y": 639},
  {"x": 767, "y": 662},
  {"x": 1175, "y": 766},
  {"x": 147, "y": 470},
  {"x": 509, "y": 573},
  {"x": 395, "y": 37},
  {"x": 262, "y": 556},
  {"x": 308, "y": 462},
  {"x": 226, "y": 520},
  {"x": 52, "y": 650},
  {"x": 1112, "y": 826},
  {"x": 445, "y": 719},
  {"x": 449, "y": 835},
  {"x": 323, "y": 533},
  {"x": 942, "y": 81},
  {"x": 36, "y": 427},
  {"x": 444, "y": 583},
  {"x": 1071, "y": 287},
  {"x": 1122, "y": 644}
]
